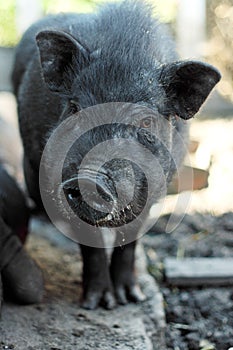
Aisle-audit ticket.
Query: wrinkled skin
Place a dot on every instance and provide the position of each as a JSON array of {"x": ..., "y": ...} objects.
[
  {"x": 66, "y": 63},
  {"x": 20, "y": 278}
]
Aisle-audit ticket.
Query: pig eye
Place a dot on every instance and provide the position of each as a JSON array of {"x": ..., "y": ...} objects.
[{"x": 146, "y": 122}]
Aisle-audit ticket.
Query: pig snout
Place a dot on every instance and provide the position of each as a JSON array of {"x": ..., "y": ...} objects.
[{"x": 92, "y": 195}]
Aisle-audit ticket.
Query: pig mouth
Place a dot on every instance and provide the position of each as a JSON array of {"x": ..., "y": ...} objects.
[
  {"x": 93, "y": 198},
  {"x": 117, "y": 218}
]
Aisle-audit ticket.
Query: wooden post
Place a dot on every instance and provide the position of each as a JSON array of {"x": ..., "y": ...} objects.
[
  {"x": 191, "y": 28},
  {"x": 27, "y": 12}
]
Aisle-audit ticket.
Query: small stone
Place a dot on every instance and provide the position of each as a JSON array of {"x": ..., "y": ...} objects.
[
  {"x": 206, "y": 345},
  {"x": 116, "y": 325},
  {"x": 78, "y": 333},
  {"x": 109, "y": 217}
]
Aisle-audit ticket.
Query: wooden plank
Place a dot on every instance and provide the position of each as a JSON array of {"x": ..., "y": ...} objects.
[
  {"x": 199, "y": 271},
  {"x": 189, "y": 179}
]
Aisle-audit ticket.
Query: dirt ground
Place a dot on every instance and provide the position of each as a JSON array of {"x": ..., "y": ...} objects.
[
  {"x": 59, "y": 323},
  {"x": 198, "y": 318}
]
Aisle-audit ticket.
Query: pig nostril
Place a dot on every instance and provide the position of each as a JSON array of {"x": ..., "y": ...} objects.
[{"x": 73, "y": 193}]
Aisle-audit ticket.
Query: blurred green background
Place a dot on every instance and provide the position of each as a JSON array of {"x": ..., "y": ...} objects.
[
  {"x": 218, "y": 48},
  {"x": 166, "y": 10}
]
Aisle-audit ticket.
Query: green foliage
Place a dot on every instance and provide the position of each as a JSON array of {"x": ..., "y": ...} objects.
[
  {"x": 8, "y": 28},
  {"x": 8, "y": 33}
]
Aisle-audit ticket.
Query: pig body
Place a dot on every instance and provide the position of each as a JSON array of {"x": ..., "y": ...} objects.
[{"x": 66, "y": 63}]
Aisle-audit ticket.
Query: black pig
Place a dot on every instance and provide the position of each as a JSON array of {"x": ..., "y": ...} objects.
[
  {"x": 67, "y": 62},
  {"x": 20, "y": 277}
]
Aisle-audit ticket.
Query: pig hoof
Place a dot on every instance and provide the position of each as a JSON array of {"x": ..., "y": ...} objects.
[
  {"x": 109, "y": 301},
  {"x": 129, "y": 293},
  {"x": 93, "y": 299},
  {"x": 121, "y": 295},
  {"x": 135, "y": 294}
]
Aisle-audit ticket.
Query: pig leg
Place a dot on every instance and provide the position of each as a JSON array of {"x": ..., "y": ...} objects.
[
  {"x": 97, "y": 286},
  {"x": 123, "y": 274},
  {"x": 21, "y": 278},
  {"x": 32, "y": 182}
]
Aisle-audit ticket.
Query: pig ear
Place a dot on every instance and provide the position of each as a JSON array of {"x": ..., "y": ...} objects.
[
  {"x": 59, "y": 54},
  {"x": 187, "y": 84}
]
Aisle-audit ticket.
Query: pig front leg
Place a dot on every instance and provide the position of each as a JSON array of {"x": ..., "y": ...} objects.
[
  {"x": 21, "y": 279},
  {"x": 32, "y": 182},
  {"x": 122, "y": 272},
  {"x": 97, "y": 286}
]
